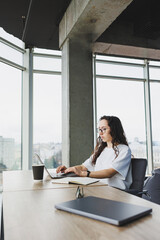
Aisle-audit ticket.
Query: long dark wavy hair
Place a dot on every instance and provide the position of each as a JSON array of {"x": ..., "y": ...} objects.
[{"x": 117, "y": 134}]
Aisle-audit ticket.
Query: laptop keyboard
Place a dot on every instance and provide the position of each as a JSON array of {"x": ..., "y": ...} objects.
[{"x": 63, "y": 175}]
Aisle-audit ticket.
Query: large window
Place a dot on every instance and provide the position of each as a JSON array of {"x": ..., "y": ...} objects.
[
  {"x": 121, "y": 91},
  {"x": 10, "y": 103},
  {"x": 10, "y": 120},
  {"x": 16, "y": 85},
  {"x": 47, "y": 97},
  {"x": 154, "y": 72},
  {"x": 155, "y": 99}
]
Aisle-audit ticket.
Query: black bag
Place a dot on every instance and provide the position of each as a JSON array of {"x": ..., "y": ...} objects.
[{"x": 152, "y": 185}]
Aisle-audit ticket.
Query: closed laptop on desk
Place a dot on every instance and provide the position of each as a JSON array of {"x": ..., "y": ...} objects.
[{"x": 117, "y": 213}]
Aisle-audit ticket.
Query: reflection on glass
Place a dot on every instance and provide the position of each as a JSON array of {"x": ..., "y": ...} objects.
[
  {"x": 47, "y": 118},
  {"x": 155, "y": 98},
  {"x": 10, "y": 120},
  {"x": 124, "y": 99}
]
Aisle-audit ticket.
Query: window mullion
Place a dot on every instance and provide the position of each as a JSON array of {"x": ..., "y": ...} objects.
[
  {"x": 94, "y": 99},
  {"x": 148, "y": 117},
  {"x": 27, "y": 110}
]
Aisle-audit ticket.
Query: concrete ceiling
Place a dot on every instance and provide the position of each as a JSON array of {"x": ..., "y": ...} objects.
[
  {"x": 36, "y": 22},
  {"x": 138, "y": 25}
]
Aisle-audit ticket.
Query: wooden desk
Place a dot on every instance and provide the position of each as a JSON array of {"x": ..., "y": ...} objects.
[
  {"x": 23, "y": 180},
  {"x": 31, "y": 215}
]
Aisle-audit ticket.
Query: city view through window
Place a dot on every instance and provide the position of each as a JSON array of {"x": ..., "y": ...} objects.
[
  {"x": 119, "y": 92},
  {"x": 47, "y": 119},
  {"x": 121, "y": 106}
]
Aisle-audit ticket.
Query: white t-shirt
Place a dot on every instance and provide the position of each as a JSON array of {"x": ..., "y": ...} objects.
[{"x": 122, "y": 164}]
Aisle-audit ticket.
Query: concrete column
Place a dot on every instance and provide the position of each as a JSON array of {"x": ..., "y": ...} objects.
[{"x": 77, "y": 102}]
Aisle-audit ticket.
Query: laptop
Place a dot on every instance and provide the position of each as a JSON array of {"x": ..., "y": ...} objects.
[
  {"x": 109, "y": 211},
  {"x": 55, "y": 175}
]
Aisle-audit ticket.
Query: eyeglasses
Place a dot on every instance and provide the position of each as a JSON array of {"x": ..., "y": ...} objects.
[{"x": 103, "y": 130}]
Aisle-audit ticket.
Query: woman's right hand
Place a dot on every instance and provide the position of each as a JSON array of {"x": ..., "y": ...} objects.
[{"x": 61, "y": 169}]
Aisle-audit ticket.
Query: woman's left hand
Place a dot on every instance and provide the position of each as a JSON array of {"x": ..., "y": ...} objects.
[{"x": 77, "y": 171}]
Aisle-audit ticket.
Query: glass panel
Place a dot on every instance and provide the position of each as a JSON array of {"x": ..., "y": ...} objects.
[
  {"x": 120, "y": 59},
  {"x": 125, "y": 99},
  {"x": 11, "y": 54},
  {"x": 155, "y": 63},
  {"x": 44, "y": 63},
  {"x": 47, "y": 118},
  {"x": 155, "y": 99},
  {"x": 10, "y": 120},
  {"x": 119, "y": 70},
  {"x": 154, "y": 73},
  {"x": 46, "y": 51}
]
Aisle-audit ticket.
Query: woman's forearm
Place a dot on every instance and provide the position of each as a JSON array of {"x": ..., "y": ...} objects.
[
  {"x": 81, "y": 167},
  {"x": 81, "y": 170},
  {"x": 106, "y": 173}
]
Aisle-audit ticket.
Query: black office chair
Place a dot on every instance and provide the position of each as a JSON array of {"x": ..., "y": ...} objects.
[
  {"x": 139, "y": 166},
  {"x": 152, "y": 185}
]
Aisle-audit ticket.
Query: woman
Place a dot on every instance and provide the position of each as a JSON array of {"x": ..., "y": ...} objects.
[{"x": 110, "y": 161}]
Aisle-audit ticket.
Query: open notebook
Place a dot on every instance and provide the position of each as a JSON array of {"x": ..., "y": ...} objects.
[{"x": 76, "y": 180}]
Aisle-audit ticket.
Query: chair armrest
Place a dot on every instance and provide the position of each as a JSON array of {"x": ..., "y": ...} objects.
[
  {"x": 137, "y": 192},
  {"x": 132, "y": 191}
]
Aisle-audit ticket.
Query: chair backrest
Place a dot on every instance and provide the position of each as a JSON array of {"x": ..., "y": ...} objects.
[
  {"x": 152, "y": 185},
  {"x": 139, "y": 166}
]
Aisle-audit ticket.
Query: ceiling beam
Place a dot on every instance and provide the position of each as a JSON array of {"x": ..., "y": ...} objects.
[
  {"x": 125, "y": 51},
  {"x": 89, "y": 18}
]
